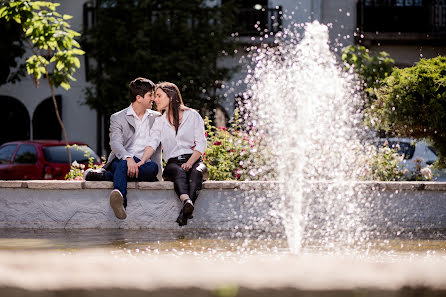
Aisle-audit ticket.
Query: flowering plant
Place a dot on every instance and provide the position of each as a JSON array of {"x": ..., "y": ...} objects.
[
  {"x": 77, "y": 170},
  {"x": 385, "y": 164},
  {"x": 233, "y": 154}
]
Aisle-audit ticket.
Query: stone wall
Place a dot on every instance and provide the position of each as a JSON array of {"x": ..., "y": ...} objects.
[{"x": 328, "y": 207}]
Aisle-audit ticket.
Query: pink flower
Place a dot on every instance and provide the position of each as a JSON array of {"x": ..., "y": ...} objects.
[
  {"x": 222, "y": 128},
  {"x": 78, "y": 178}
]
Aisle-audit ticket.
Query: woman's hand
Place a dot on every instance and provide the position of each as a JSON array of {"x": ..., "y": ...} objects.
[
  {"x": 140, "y": 163},
  {"x": 186, "y": 166}
]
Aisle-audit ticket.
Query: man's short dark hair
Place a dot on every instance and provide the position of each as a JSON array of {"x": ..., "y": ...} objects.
[{"x": 140, "y": 86}]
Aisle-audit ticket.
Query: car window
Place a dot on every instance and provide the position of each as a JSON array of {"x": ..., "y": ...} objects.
[
  {"x": 58, "y": 154},
  {"x": 6, "y": 153},
  {"x": 432, "y": 149},
  {"x": 403, "y": 148},
  {"x": 26, "y": 154}
]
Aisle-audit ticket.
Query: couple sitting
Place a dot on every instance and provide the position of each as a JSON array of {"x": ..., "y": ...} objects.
[{"x": 135, "y": 137}]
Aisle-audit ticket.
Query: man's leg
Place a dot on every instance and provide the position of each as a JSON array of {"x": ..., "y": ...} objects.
[
  {"x": 147, "y": 171},
  {"x": 119, "y": 170},
  {"x": 118, "y": 201}
]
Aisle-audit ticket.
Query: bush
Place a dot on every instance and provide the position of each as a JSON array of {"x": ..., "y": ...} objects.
[
  {"x": 233, "y": 154},
  {"x": 371, "y": 69},
  {"x": 77, "y": 170},
  {"x": 412, "y": 103}
]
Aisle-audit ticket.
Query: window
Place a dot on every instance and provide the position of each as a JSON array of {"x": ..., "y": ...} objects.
[
  {"x": 6, "y": 153},
  {"x": 58, "y": 154},
  {"x": 27, "y": 154}
]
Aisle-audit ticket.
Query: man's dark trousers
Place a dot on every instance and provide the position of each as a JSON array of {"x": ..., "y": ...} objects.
[{"x": 117, "y": 172}]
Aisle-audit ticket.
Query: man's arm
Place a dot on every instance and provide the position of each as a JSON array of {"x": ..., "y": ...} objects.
[{"x": 117, "y": 146}]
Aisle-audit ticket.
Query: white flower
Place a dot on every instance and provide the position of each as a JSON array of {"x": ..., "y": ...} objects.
[
  {"x": 426, "y": 172},
  {"x": 75, "y": 164}
]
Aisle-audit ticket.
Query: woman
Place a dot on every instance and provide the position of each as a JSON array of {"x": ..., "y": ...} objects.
[{"x": 180, "y": 130}]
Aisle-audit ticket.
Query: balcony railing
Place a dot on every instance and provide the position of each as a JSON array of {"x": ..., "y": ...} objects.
[
  {"x": 416, "y": 20},
  {"x": 252, "y": 22}
]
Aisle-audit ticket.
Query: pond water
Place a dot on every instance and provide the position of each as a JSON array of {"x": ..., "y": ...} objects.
[{"x": 209, "y": 244}]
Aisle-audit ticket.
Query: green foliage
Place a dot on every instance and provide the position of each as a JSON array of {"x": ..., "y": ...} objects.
[
  {"x": 176, "y": 41},
  {"x": 384, "y": 165},
  {"x": 371, "y": 69},
  {"x": 412, "y": 103},
  {"x": 232, "y": 154},
  {"x": 77, "y": 170},
  {"x": 49, "y": 37}
]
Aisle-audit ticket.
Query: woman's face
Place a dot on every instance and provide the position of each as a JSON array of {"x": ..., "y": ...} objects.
[{"x": 161, "y": 100}]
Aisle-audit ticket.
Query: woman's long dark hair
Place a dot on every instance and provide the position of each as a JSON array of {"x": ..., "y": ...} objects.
[{"x": 175, "y": 104}]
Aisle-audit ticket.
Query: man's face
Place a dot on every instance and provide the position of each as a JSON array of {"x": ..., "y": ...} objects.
[{"x": 148, "y": 100}]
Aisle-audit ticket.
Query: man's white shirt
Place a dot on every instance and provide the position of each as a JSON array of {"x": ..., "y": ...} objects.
[{"x": 142, "y": 134}]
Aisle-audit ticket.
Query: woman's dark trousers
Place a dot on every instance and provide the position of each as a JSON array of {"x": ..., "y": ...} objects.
[{"x": 185, "y": 182}]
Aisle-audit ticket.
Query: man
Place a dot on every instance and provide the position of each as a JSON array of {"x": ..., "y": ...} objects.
[{"x": 129, "y": 135}]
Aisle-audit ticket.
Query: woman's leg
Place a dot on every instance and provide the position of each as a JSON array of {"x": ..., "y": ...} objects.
[
  {"x": 174, "y": 172},
  {"x": 196, "y": 179}
]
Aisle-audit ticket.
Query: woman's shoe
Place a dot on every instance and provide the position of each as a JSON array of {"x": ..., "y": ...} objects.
[
  {"x": 181, "y": 220},
  {"x": 188, "y": 209}
]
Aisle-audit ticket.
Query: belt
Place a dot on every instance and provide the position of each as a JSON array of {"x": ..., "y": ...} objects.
[{"x": 180, "y": 158}]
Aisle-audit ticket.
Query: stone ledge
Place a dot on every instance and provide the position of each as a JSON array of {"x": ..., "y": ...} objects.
[{"x": 215, "y": 185}]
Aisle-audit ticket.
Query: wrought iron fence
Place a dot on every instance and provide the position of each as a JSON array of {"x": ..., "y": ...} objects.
[
  {"x": 421, "y": 16},
  {"x": 251, "y": 22}
]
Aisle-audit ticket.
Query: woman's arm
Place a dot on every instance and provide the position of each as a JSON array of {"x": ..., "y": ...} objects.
[
  {"x": 200, "y": 142},
  {"x": 148, "y": 152},
  {"x": 188, "y": 165},
  {"x": 154, "y": 141}
]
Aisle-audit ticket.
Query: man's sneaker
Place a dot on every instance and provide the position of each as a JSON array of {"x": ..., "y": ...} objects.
[
  {"x": 94, "y": 174},
  {"x": 117, "y": 204}
]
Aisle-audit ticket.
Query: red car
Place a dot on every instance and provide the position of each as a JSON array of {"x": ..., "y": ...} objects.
[{"x": 40, "y": 159}]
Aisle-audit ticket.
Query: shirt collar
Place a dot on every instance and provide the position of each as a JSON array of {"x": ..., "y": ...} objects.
[{"x": 131, "y": 111}]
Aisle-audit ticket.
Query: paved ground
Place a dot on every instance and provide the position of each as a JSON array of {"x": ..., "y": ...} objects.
[{"x": 110, "y": 273}]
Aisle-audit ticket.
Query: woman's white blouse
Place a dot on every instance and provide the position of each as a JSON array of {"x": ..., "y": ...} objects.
[{"x": 190, "y": 135}]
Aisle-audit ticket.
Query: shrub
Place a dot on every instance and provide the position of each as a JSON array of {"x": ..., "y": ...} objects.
[
  {"x": 233, "y": 154},
  {"x": 77, "y": 170},
  {"x": 412, "y": 103},
  {"x": 371, "y": 69}
]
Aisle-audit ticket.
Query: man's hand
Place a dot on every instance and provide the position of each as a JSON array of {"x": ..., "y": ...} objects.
[
  {"x": 186, "y": 166},
  {"x": 132, "y": 167}
]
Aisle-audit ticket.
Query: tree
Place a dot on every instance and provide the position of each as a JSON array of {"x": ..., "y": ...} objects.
[
  {"x": 47, "y": 34},
  {"x": 177, "y": 41},
  {"x": 11, "y": 49},
  {"x": 371, "y": 69},
  {"x": 412, "y": 103}
]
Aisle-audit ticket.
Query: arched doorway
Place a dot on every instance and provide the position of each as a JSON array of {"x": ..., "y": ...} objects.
[
  {"x": 45, "y": 124},
  {"x": 14, "y": 120}
]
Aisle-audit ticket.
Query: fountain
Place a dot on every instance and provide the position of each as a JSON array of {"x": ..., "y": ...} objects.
[{"x": 306, "y": 109}]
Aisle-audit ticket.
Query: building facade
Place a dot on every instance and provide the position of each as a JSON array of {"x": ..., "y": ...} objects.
[{"x": 407, "y": 29}]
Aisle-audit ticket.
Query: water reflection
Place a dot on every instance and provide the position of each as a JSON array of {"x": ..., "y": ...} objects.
[{"x": 208, "y": 243}]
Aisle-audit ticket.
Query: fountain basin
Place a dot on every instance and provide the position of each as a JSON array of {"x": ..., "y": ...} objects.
[
  {"x": 221, "y": 205},
  {"x": 98, "y": 273}
]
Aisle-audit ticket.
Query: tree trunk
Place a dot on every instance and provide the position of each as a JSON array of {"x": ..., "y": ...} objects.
[{"x": 59, "y": 118}]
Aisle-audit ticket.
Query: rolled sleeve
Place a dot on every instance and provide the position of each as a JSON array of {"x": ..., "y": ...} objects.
[
  {"x": 155, "y": 134},
  {"x": 199, "y": 134}
]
